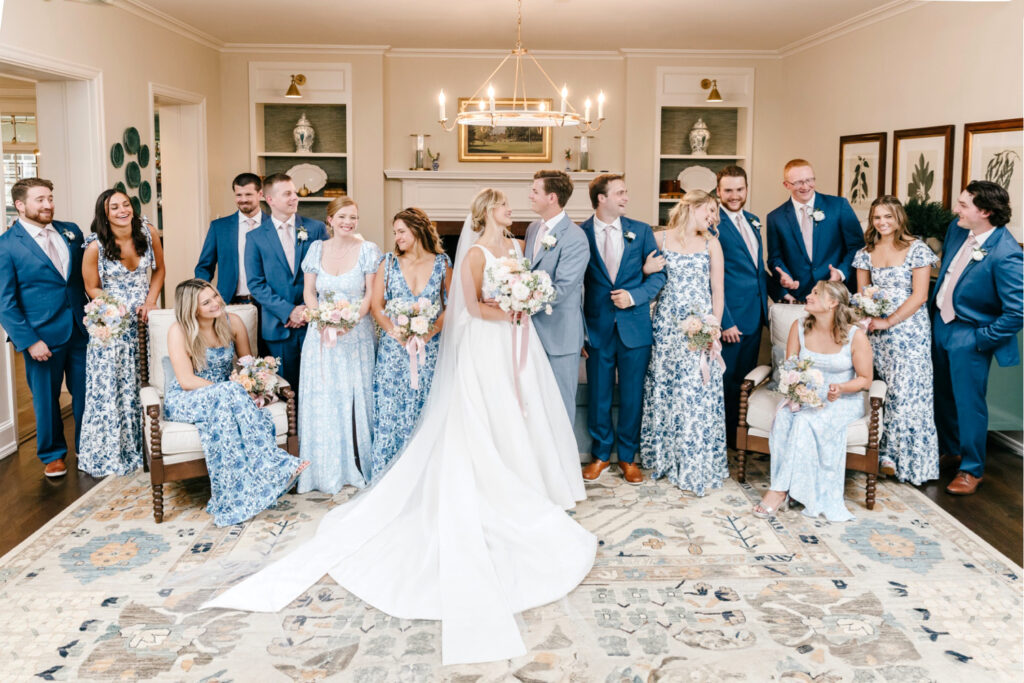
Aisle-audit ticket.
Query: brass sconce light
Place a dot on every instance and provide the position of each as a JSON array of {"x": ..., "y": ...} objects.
[
  {"x": 714, "y": 95},
  {"x": 293, "y": 89}
]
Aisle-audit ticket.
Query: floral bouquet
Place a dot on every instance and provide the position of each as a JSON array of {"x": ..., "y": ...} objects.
[
  {"x": 258, "y": 376},
  {"x": 801, "y": 384},
  {"x": 330, "y": 316},
  {"x": 873, "y": 302},
  {"x": 703, "y": 334},
  {"x": 516, "y": 288},
  {"x": 412, "y": 319},
  {"x": 106, "y": 318}
]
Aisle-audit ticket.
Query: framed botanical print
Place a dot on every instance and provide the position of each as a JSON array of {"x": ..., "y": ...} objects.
[
  {"x": 923, "y": 164},
  {"x": 993, "y": 150},
  {"x": 505, "y": 143},
  {"x": 862, "y": 170}
]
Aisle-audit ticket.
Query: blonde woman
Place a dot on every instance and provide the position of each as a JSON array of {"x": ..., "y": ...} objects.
[
  {"x": 682, "y": 432},
  {"x": 808, "y": 447},
  {"x": 336, "y": 376},
  {"x": 248, "y": 472}
]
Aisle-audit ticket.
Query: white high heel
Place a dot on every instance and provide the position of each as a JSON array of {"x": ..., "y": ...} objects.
[{"x": 765, "y": 511}]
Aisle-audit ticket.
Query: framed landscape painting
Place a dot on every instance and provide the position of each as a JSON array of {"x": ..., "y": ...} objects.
[
  {"x": 862, "y": 170},
  {"x": 993, "y": 150},
  {"x": 486, "y": 143},
  {"x": 923, "y": 164}
]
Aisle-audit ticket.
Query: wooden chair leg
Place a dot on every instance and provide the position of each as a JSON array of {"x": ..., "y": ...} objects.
[
  {"x": 870, "y": 498},
  {"x": 158, "y": 503},
  {"x": 741, "y": 466}
]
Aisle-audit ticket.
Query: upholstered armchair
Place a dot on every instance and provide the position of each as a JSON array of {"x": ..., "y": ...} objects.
[
  {"x": 758, "y": 403},
  {"x": 173, "y": 449}
]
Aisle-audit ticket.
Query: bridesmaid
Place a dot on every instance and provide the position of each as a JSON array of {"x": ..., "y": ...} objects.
[
  {"x": 336, "y": 379},
  {"x": 125, "y": 259},
  {"x": 248, "y": 472},
  {"x": 682, "y": 432},
  {"x": 808, "y": 447},
  {"x": 418, "y": 268},
  {"x": 902, "y": 342}
]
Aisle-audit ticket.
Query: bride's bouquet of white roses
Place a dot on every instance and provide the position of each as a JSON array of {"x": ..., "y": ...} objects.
[
  {"x": 516, "y": 288},
  {"x": 413, "y": 319},
  {"x": 332, "y": 315},
  {"x": 802, "y": 384}
]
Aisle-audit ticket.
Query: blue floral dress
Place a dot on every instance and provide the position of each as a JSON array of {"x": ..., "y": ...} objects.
[
  {"x": 111, "y": 439},
  {"x": 682, "y": 432},
  {"x": 903, "y": 359},
  {"x": 397, "y": 405},
  {"x": 248, "y": 472},
  {"x": 808, "y": 447},
  {"x": 336, "y": 383}
]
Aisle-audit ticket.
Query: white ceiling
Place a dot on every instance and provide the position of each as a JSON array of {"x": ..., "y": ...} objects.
[{"x": 547, "y": 24}]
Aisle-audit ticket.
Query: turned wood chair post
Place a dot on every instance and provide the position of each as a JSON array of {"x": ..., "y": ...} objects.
[
  {"x": 872, "y": 451},
  {"x": 741, "y": 431},
  {"x": 292, "y": 445},
  {"x": 144, "y": 369},
  {"x": 157, "y": 464}
]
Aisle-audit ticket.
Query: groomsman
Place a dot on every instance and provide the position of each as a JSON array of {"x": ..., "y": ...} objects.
[
  {"x": 978, "y": 309},
  {"x": 557, "y": 246},
  {"x": 224, "y": 249},
  {"x": 617, "y": 311},
  {"x": 811, "y": 237},
  {"x": 273, "y": 269},
  {"x": 41, "y": 302},
  {"x": 746, "y": 289}
]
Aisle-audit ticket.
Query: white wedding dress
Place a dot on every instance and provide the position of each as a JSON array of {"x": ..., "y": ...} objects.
[{"x": 469, "y": 524}]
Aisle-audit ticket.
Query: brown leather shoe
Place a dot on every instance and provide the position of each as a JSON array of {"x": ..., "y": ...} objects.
[
  {"x": 57, "y": 468},
  {"x": 963, "y": 484},
  {"x": 949, "y": 462},
  {"x": 631, "y": 473},
  {"x": 594, "y": 469}
]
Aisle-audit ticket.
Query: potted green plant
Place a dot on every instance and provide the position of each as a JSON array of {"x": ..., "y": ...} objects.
[{"x": 929, "y": 221}]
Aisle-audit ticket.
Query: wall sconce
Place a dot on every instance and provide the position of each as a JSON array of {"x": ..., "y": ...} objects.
[
  {"x": 293, "y": 89},
  {"x": 714, "y": 95}
]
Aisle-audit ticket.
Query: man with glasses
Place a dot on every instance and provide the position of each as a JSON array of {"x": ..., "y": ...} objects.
[{"x": 811, "y": 237}]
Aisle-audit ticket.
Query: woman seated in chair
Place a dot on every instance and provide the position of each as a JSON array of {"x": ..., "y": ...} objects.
[
  {"x": 808, "y": 446},
  {"x": 248, "y": 472}
]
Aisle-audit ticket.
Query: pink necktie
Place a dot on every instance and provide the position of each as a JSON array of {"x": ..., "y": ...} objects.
[
  {"x": 541, "y": 234},
  {"x": 952, "y": 275},
  {"x": 807, "y": 230},
  {"x": 609, "y": 253},
  {"x": 748, "y": 236},
  {"x": 289, "y": 245},
  {"x": 50, "y": 247}
]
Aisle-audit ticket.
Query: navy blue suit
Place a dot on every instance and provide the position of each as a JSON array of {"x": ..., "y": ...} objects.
[
  {"x": 278, "y": 288},
  {"x": 220, "y": 255},
  {"x": 837, "y": 238},
  {"x": 37, "y": 302},
  {"x": 746, "y": 307},
  {"x": 618, "y": 338},
  {"x": 989, "y": 308}
]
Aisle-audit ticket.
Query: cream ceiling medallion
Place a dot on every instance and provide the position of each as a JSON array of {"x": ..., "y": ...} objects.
[{"x": 516, "y": 112}]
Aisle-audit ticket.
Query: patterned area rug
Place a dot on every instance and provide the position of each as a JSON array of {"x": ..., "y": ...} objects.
[{"x": 684, "y": 589}]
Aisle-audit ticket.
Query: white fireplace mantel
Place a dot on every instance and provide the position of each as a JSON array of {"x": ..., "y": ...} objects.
[{"x": 446, "y": 195}]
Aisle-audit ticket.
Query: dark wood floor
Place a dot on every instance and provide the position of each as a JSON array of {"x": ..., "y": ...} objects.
[{"x": 995, "y": 513}]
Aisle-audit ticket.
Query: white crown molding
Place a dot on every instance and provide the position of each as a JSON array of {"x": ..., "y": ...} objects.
[
  {"x": 51, "y": 65},
  {"x": 443, "y": 53},
  {"x": 714, "y": 54},
  {"x": 863, "y": 20},
  {"x": 166, "y": 21},
  {"x": 304, "y": 49}
]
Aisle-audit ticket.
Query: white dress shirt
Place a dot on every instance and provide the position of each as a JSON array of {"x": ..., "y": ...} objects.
[
  {"x": 547, "y": 227},
  {"x": 750, "y": 237},
  {"x": 619, "y": 245},
  {"x": 287, "y": 243},
  {"x": 38, "y": 233},
  {"x": 243, "y": 227},
  {"x": 940, "y": 298},
  {"x": 798, "y": 207}
]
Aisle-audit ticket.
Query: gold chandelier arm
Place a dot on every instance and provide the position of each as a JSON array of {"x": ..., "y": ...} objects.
[
  {"x": 553, "y": 86},
  {"x": 488, "y": 79}
]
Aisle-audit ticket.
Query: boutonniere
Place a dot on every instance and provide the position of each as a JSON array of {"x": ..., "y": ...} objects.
[
  {"x": 69, "y": 236},
  {"x": 630, "y": 236},
  {"x": 548, "y": 242},
  {"x": 302, "y": 234},
  {"x": 756, "y": 223},
  {"x": 978, "y": 253},
  {"x": 818, "y": 215}
]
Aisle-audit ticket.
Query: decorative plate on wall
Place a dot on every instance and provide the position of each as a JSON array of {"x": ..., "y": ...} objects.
[
  {"x": 133, "y": 174},
  {"x": 131, "y": 140},
  {"x": 697, "y": 178},
  {"x": 144, "y": 156},
  {"x": 145, "y": 192},
  {"x": 312, "y": 176},
  {"x": 119, "y": 186},
  {"x": 136, "y": 206},
  {"x": 117, "y": 155}
]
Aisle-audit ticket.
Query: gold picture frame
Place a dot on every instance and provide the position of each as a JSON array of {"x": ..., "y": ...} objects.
[{"x": 483, "y": 143}]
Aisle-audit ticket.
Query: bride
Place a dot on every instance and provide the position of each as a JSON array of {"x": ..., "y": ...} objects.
[{"x": 468, "y": 526}]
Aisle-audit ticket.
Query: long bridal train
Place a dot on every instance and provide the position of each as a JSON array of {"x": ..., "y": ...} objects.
[{"x": 468, "y": 526}]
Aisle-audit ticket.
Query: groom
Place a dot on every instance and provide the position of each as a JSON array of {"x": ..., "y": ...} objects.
[{"x": 557, "y": 246}]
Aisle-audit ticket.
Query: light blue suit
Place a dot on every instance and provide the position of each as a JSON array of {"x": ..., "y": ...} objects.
[
  {"x": 278, "y": 288},
  {"x": 37, "y": 302},
  {"x": 562, "y": 332},
  {"x": 989, "y": 307},
  {"x": 618, "y": 338},
  {"x": 220, "y": 255}
]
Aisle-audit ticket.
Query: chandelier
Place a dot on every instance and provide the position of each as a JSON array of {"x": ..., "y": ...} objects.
[{"x": 478, "y": 111}]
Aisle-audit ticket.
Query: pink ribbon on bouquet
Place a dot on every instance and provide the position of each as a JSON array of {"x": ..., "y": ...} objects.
[
  {"x": 519, "y": 352},
  {"x": 328, "y": 336},
  {"x": 417, "y": 349},
  {"x": 715, "y": 356}
]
